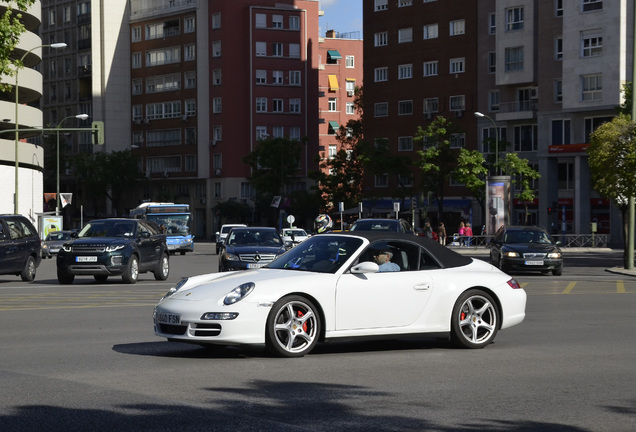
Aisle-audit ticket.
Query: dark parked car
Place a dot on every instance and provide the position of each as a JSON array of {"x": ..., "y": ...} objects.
[
  {"x": 115, "y": 247},
  {"x": 382, "y": 225},
  {"x": 526, "y": 248},
  {"x": 20, "y": 247},
  {"x": 250, "y": 247},
  {"x": 53, "y": 242}
]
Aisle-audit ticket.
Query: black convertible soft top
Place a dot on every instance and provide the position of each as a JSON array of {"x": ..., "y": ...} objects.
[{"x": 446, "y": 257}]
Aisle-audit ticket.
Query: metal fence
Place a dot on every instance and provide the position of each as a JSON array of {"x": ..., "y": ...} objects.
[{"x": 567, "y": 240}]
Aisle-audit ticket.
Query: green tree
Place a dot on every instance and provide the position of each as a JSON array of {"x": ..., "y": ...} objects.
[
  {"x": 11, "y": 28},
  {"x": 612, "y": 163},
  {"x": 626, "y": 106},
  {"x": 437, "y": 160},
  {"x": 106, "y": 175},
  {"x": 523, "y": 175},
  {"x": 472, "y": 170}
]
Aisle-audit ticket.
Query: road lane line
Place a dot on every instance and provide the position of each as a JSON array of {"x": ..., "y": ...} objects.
[
  {"x": 620, "y": 287},
  {"x": 569, "y": 288}
]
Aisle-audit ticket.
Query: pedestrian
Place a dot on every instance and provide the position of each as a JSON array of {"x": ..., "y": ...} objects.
[
  {"x": 468, "y": 234},
  {"x": 460, "y": 233},
  {"x": 428, "y": 230},
  {"x": 441, "y": 234}
]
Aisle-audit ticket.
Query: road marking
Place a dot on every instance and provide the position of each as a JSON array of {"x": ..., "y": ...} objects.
[
  {"x": 568, "y": 289},
  {"x": 620, "y": 287}
]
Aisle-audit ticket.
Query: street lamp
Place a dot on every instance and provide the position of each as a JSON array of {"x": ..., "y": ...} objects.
[
  {"x": 17, "y": 123},
  {"x": 480, "y": 115},
  {"x": 57, "y": 186}
]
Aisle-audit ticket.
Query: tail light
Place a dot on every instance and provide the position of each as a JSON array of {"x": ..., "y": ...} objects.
[{"x": 514, "y": 284}]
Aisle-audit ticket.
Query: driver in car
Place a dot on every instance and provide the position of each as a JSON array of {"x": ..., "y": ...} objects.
[{"x": 383, "y": 259}]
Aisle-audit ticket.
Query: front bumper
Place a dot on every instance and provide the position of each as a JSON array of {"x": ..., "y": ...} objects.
[
  {"x": 524, "y": 264},
  {"x": 106, "y": 265}
]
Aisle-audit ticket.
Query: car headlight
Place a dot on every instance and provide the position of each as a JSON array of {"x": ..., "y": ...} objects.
[
  {"x": 554, "y": 255},
  {"x": 66, "y": 248},
  {"x": 511, "y": 254},
  {"x": 45, "y": 246},
  {"x": 230, "y": 257},
  {"x": 219, "y": 316},
  {"x": 175, "y": 288},
  {"x": 239, "y": 293},
  {"x": 113, "y": 248}
]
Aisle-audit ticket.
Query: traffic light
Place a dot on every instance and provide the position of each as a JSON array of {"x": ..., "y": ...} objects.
[
  {"x": 98, "y": 132},
  {"x": 550, "y": 210}
]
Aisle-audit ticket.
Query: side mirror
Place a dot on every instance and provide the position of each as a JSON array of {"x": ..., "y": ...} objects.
[
  {"x": 144, "y": 234},
  {"x": 365, "y": 267},
  {"x": 74, "y": 235}
]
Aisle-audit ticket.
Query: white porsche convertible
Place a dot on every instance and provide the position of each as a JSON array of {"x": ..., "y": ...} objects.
[{"x": 331, "y": 287}]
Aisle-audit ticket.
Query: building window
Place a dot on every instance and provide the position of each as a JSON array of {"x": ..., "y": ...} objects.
[
  {"x": 332, "y": 104},
  {"x": 294, "y": 78},
  {"x": 190, "y": 80},
  {"x": 163, "y": 138},
  {"x": 294, "y": 133},
  {"x": 278, "y": 132},
  {"x": 277, "y": 105},
  {"x": 277, "y": 21},
  {"x": 381, "y": 109},
  {"x": 405, "y": 107},
  {"x": 190, "y": 136},
  {"x": 67, "y": 15},
  {"x": 566, "y": 175},
  {"x": 381, "y": 180},
  {"x": 137, "y": 113},
  {"x": 592, "y": 5},
  {"x": 558, "y": 8},
  {"x": 457, "y": 65},
  {"x": 217, "y": 133},
  {"x": 560, "y": 132},
  {"x": 247, "y": 190},
  {"x": 591, "y": 87},
  {"x": 294, "y": 50},
  {"x": 136, "y": 34},
  {"x": 514, "y": 59},
  {"x": 492, "y": 62},
  {"x": 558, "y": 91},
  {"x": 163, "y": 110},
  {"x": 136, "y": 60},
  {"x": 430, "y": 68},
  {"x": 333, "y": 150},
  {"x": 381, "y": 39},
  {"x": 431, "y": 105},
  {"x": 381, "y": 74},
  {"x": 457, "y": 103},
  {"x": 277, "y": 77},
  {"x": 525, "y": 138},
  {"x": 405, "y": 179},
  {"x": 216, "y": 77},
  {"x": 216, "y": 48},
  {"x": 493, "y": 100},
  {"x": 405, "y": 71},
  {"x": 52, "y": 17},
  {"x": 163, "y": 83},
  {"x": 217, "y": 190},
  {"x": 294, "y": 105},
  {"x": 592, "y": 123},
  {"x": 261, "y": 104},
  {"x": 351, "y": 108},
  {"x": 431, "y": 31},
  {"x": 216, "y": 21},
  {"x": 492, "y": 24},
  {"x": 488, "y": 142},
  {"x": 261, "y": 132},
  {"x": 277, "y": 49},
  {"x": 591, "y": 44},
  {"x": 405, "y": 143},
  {"x": 217, "y": 105},
  {"x": 514, "y": 19},
  {"x": 457, "y": 27},
  {"x": 349, "y": 61},
  {"x": 261, "y": 76},
  {"x": 188, "y": 24},
  {"x": 163, "y": 56},
  {"x": 405, "y": 35},
  {"x": 190, "y": 52},
  {"x": 137, "y": 87},
  {"x": 403, "y": 3},
  {"x": 381, "y": 5},
  {"x": 350, "y": 86},
  {"x": 163, "y": 29},
  {"x": 458, "y": 140},
  {"x": 260, "y": 20},
  {"x": 558, "y": 48},
  {"x": 190, "y": 163},
  {"x": 294, "y": 22}
]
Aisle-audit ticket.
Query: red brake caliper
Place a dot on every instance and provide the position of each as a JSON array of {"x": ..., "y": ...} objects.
[
  {"x": 300, "y": 314},
  {"x": 462, "y": 317}
]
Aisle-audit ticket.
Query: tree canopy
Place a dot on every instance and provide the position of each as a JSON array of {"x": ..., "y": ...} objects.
[{"x": 11, "y": 28}]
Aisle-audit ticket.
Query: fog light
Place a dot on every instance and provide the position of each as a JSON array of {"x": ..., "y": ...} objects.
[{"x": 219, "y": 316}]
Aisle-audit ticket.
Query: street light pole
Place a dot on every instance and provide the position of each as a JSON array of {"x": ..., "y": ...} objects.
[
  {"x": 17, "y": 123},
  {"x": 480, "y": 115},
  {"x": 57, "y": 184}
]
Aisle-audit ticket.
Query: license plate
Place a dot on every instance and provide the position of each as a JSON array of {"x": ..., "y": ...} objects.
[
  {"x": 166, "y": 318},
  {"x": 254, "y": 265},
  {"x": 86, "y": 259},
  {"x": 534, "y": 262}
]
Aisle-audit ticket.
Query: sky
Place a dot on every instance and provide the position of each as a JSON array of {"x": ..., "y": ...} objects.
[{"x": 343, "y": 16}]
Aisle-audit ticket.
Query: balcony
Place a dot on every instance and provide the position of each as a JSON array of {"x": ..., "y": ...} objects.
[{"x": 518, "y": 110}]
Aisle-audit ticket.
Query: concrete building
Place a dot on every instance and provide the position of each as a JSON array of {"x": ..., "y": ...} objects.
[{"x": 21, "y": 162}]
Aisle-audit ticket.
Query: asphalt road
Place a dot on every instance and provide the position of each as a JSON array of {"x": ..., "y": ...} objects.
[{"x": 84, "y": 357}]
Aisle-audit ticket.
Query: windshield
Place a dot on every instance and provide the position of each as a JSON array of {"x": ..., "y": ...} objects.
[
  {"x": 321, "y": 254},
  {"x": 254, "y": 237},
  {"x": 375, "y": 225},
  {"x": 296, "y": 233},
  {"x": 527, "y": 237},
  {"x": 177, "y": 224},
  {"x": 55, "y": 236},
  {"x": 117, "y": 228}
]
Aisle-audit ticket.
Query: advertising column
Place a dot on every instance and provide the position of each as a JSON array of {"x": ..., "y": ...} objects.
[{"x": 498, "y": 203}]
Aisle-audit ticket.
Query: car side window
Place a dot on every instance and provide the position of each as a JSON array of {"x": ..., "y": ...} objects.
[
  {"x": 3, "y": 236},
  {"x": 427, "y": 262},
  {"x": 28, "y": 232},
  {"x": 15, "y": 229}
]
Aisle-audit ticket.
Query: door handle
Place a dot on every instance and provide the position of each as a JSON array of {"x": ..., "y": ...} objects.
[{"x": 422, "y": 287}]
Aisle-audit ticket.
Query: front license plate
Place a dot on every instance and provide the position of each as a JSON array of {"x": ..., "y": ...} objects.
[
  {"x": 166, "y": 318},
  {"x": 254, "y": 265},
  {"x": 86, "y": 259},
  {"x": 534, "y": 262}
]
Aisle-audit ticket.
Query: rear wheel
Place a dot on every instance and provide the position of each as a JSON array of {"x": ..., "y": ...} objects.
[
  {"x": 131, "y": 274},
  {"x": 163, "y": 268},
  {"x": 28, "y": 272},
  {"x": 475, "y": 320},
  {"x": 293, "y": 327}
]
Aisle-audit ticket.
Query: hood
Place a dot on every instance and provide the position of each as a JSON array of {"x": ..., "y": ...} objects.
[
  {"x": 256, "y": 249},
  {"x": 102, "y": 241},
  {"x": 530, "y": 247}
]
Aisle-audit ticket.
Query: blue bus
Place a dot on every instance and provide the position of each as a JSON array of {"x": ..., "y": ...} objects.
[{"x": 174, "y": 219}]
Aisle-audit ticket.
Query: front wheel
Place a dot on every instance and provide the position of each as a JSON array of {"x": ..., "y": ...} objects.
[
  {"x": 293, "y": 327},
  {"x": 131, "y": 274},
  {"x": 475, "y": 320},
  {"x": 163, "y": 268},
  {"x": 557, "y": 271},
  {"x": 65, "y": 278},
  {"x": 28, "y": 272}
]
